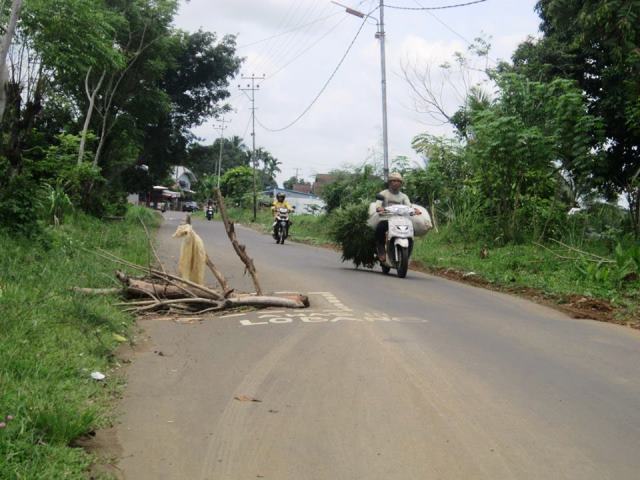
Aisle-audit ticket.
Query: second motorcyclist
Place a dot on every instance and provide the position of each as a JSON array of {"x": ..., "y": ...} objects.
[{"x": 278, "y": 203}]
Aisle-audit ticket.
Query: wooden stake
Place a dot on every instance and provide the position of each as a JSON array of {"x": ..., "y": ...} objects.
[{"x": 240, "y": 249}]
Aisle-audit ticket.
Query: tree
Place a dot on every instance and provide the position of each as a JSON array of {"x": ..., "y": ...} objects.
[
  {"x": 288, "y": 184},
  {"x": 519, "y": 143},
  {"x": 351, "y": 187},
  {"x": 196, "y": 83},
  {"x": 203, "y": 159},
  {"x": 445, "y": 178},
  {"x": 270, "y": 164},
  {"x": 237, "y": 183},
  {"x": 595, "y": 43},
  {"x": 460, "y": 80},
  {"x": 7, "y": 38}
]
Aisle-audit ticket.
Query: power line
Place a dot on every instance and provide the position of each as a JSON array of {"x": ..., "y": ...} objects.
[
  {"x": 448, "y": 27},
  {"x": 284, "y": 54},
  {"x": 444, "y": 7},
  {"x": 306, "y": 49},
  {"x": 246, "y": 129},
  {"x": 317, "y": 20},
  {"x": 324, "y": 87},
  {"x": 300, "y": 37},
  {"x": 281, "y": 46}
]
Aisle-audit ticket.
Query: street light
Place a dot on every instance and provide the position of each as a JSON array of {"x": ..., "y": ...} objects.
[{"x": 383, "y": 68}]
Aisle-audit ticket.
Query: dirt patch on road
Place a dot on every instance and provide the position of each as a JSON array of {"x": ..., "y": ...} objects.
[{"x": 576, "y": 306}]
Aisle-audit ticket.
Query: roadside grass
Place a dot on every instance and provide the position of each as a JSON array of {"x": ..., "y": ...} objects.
[
  {"x": 532, "y": 267},
  {"x": 51, "y": 339},
  {"x": 526, "y": 268}
]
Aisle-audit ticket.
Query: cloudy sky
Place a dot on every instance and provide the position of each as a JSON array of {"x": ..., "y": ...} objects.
[{"x": 297, "y": 45}]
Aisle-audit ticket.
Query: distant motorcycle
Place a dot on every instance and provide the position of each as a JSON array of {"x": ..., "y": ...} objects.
[
  {"x": 281, "y": 225},
  {"x": 209, "y": 212},
  {"x": 399, "y": 243}
]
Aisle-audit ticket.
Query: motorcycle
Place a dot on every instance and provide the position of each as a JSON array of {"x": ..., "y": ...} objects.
[
  {"x": 281, "y": 225},
  {"x": 399, "y": 241},
  {"x": 209, "y": 212}
]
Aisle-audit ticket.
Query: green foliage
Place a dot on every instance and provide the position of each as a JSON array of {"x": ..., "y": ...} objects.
[
  {"x": 19, "y": 204},
  {"x": 596, "y": 45},
  {"x": 351, "y": 187},
  {"x": 237, "y": 183},
  {"x": 445, "y": 178},
  {"x": 624, "y": 268},
  {"x": 517, "y": 143},
  {"x": 350, "y": 231},
  {"x": 56, "y": 202},
  {"x": 73, "y": 35}
]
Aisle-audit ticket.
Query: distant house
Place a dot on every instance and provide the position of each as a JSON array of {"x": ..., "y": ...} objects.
[
  {"x": 303, "y": 202},
  {"x": 322, "y": 180},
  {"x": 184, "y": 178},
  {"x": 301, "y": 187}
]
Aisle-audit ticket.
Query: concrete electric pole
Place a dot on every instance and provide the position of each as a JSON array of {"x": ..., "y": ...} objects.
[
  {"x": 222, "y": 128},
  {"x": 380, "y": 35},
  {"x": 252, "y": 87}
]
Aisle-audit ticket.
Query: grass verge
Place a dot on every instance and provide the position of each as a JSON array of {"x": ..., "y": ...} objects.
[{"x": 51, "y": 339}]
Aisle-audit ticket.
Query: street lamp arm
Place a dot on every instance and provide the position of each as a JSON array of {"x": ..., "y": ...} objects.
[{"x": 357, "y": 13}]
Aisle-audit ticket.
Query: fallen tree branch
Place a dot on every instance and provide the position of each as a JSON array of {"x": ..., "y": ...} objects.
[
  {"x": 581, "y": 252},
  {"x": 97, "y": 291},
  {"x": 240, "y": 249},
  {"x": 295, "y": 301},
  {"x": 220, "y": 278},
  {"x": 155, "y": 254},
  {"x": 157, "y": 273},
  {"x": 555, "y": 254}
]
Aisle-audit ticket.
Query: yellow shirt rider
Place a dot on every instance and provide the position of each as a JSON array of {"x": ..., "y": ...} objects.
[{"x": 280, "y": 202}]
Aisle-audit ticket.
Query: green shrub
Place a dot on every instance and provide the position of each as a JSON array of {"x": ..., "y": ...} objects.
[{"x": 350, "y": 231}]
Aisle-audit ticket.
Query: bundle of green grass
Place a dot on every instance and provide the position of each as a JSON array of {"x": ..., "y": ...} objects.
[{"x": 349, "y": 229}]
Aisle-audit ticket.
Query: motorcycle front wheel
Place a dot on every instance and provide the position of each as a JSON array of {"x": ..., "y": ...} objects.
[
  {"x": 403, "y": 261},
  {"x": 280, "y": 239}
]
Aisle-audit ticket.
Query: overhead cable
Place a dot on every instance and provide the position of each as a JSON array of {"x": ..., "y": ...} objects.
[
  {"x": 299, "y": 27},
  {"x": 324, "y": 87},
  {"x": 444, "y": 7},
  {"x": 306, "y": 49}
]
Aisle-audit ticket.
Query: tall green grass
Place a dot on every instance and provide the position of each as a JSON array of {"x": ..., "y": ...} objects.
[{"x": 51, "y": 339}]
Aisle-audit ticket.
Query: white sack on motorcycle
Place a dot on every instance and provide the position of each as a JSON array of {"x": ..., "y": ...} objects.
[{"x": 421, "y": 223}]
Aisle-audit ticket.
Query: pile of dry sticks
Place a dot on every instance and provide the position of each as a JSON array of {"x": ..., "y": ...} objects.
[{"x": 157, "y": 292}]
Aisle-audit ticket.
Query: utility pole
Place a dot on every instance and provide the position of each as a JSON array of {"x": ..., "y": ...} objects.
[
  {"x": 252, "y": 87},
  {"x": 383, "y": 67},
  {"x": 380, "y": 35},
  {"x": 222, "y": 128}
]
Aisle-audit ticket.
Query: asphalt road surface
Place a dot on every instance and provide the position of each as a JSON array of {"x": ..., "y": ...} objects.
[{"x": 382, "y": 378}]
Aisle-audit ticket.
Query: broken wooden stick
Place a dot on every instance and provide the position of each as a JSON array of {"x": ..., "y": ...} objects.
[
  {"x": 240, "y": 249},
  {"x": 220, "y": 278}
]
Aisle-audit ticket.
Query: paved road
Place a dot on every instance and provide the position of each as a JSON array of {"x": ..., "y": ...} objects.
[{"x": 381, "y": 378}]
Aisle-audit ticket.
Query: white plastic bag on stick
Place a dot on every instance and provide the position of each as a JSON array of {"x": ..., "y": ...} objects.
[{"x": 193, "y": 256}]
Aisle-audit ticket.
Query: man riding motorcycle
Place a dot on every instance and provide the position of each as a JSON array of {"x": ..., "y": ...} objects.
[
  {"x": 278, "y": 203},
  {"x": 392, "y": 196}
]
